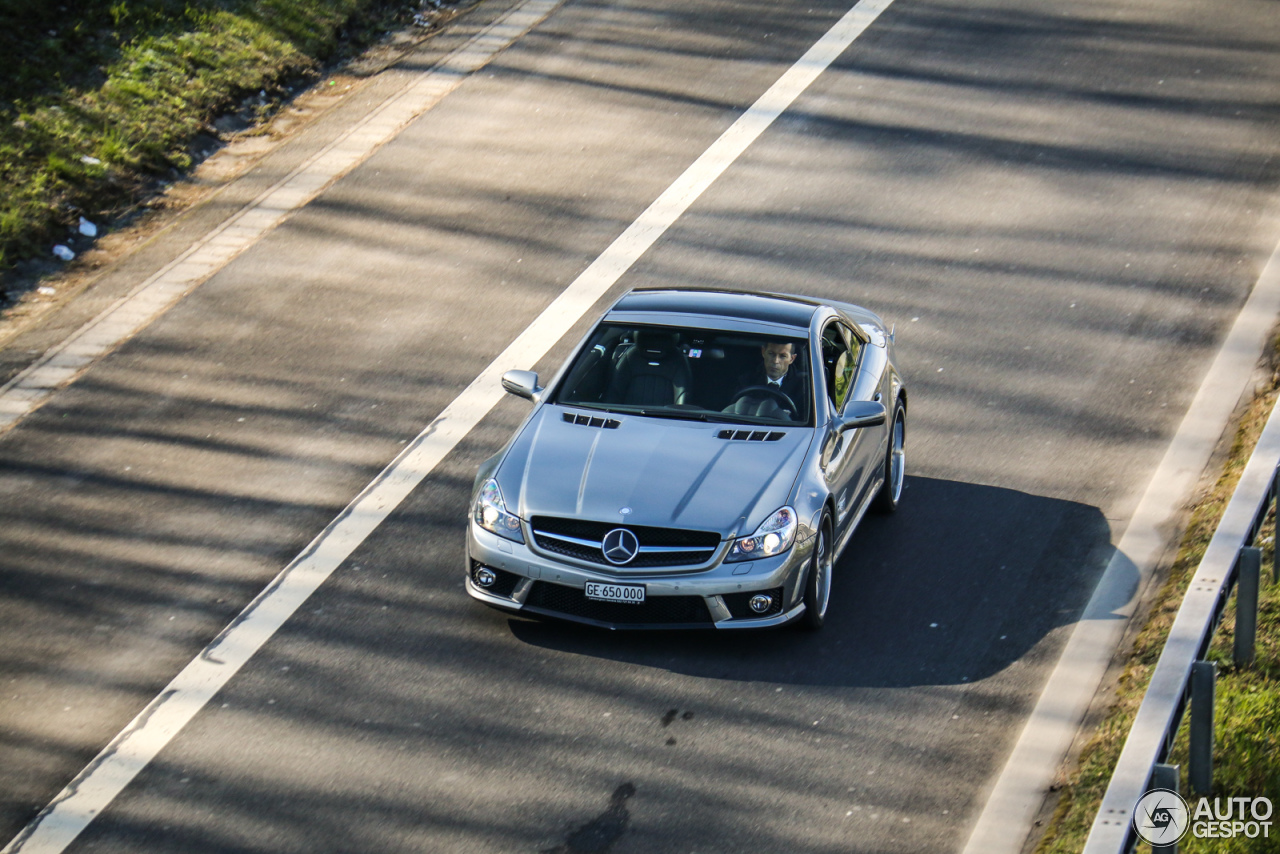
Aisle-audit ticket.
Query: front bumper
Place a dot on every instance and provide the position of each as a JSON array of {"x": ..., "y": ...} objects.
[{"x": 675, "y": 598}]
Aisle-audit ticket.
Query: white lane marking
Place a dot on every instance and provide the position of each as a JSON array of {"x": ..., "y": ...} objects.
[
  {"x": 165, "y": 716},
  {"x": 62, "y": 364},
  {"x": 1006, "y": 819}
]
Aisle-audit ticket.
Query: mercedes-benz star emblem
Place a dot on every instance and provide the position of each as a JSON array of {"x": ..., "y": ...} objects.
[{"x": 619, "y": 546}]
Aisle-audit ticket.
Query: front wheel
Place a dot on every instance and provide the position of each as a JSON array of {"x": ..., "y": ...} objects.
[
  {"x": 895, "y": 463},
  {"x": 817, "y": 586}
]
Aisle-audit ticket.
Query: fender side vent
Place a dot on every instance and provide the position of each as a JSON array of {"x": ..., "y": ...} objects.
[
  {"x": 751, "y": 435},
  {"x": 592, "y": 421}
]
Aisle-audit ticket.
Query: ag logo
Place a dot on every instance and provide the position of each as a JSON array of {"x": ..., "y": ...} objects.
[{"x": 1161, "y": 817}]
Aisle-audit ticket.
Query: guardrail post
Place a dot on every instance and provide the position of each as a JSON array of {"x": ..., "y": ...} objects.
[
  {"x": 1164, "y": 777},
  {"x": 1204, "y": 677},
  {"x": 1247, "y": 605}
]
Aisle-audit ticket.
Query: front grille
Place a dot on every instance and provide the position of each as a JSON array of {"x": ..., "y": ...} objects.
[
  {"x": 648, "y": 536},
  {"x": 696, "y": 547},
  {"x": 577, "y": 550},
  {"x": 738, "y": 607},
  {"x": 572, "y": 602}
]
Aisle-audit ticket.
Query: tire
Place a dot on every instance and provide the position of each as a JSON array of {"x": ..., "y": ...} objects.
[
  {"x": 817, "y": 582},
  {"x": 895, "y": 464}
]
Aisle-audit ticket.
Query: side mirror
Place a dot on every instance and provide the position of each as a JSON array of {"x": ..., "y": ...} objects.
[
  {"x": 862, "y": 413},
  {"x": 525, "y": 384}
]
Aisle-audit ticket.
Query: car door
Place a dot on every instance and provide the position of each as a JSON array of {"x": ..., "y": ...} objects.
[{"x": 841, "y": 451}]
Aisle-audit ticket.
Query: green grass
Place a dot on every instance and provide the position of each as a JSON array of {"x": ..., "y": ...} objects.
[
  {"x": 103, "y": 99},
  {"x": 1247, "y": 707}
]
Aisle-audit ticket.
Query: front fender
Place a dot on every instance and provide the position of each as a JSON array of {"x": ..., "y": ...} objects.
[{"x": 486, "y": 470}]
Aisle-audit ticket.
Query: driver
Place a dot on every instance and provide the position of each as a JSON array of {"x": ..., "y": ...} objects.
[{"x": 774, "y": 371}]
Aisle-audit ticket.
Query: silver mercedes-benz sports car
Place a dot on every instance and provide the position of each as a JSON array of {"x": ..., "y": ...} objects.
[{"x": 699, "y": 462}]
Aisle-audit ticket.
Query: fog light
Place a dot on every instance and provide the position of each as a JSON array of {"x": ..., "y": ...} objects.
[
  {"x": 485, "y": 577},
  {"x": 761, "y": 603}
]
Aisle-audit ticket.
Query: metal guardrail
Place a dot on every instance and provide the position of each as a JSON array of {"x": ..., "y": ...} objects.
[{"x": 1160, "y": 715}]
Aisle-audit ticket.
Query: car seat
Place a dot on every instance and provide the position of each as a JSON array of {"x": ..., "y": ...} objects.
[{"x": 653, "y": 371}]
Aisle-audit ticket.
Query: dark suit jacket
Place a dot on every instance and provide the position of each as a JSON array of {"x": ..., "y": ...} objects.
[{"x": 793, "y": 384}]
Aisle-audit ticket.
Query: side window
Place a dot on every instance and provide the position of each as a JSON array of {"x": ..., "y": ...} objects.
[
  {"x": 838, "y": 362},
  {"x": 855, "y": 348}
]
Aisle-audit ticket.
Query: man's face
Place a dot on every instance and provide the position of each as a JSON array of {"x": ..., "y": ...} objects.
[{"x": 777, "y": 358}]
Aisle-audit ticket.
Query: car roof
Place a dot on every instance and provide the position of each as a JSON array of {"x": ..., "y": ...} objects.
[{"x": 743, "y": 305}]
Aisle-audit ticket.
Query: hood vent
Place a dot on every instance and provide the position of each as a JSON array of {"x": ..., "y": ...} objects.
[
  {"x": 751, "y": 435},
  {"x": 592, "y": 421}
]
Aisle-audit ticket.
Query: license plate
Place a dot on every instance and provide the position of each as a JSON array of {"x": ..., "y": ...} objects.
[{"x": 631, "y": 594}]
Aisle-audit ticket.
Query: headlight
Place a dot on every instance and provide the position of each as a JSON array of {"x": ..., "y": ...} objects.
[
  {"x": 774, "y": 536},
  {"x": 491, "y": 513}
]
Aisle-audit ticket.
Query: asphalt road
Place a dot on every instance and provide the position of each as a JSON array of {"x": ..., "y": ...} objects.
[{"x": 1062, "y": 206}]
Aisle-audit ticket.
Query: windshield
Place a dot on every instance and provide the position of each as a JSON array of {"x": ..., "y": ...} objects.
[{"x": 697, "y": 374}]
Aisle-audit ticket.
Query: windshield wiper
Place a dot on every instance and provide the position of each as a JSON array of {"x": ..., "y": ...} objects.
[
  {"x": 689, "y": 415},
  {"x": 681, "y": 415},
  {"x": 597, "y": 408},
  {"x": 677, "y": 414}
]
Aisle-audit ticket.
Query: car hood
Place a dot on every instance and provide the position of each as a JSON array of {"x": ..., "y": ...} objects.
[{"x": 672, "y": 474}]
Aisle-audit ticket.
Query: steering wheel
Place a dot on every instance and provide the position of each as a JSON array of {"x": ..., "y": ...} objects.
[{"x": 768, "y": 390}]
